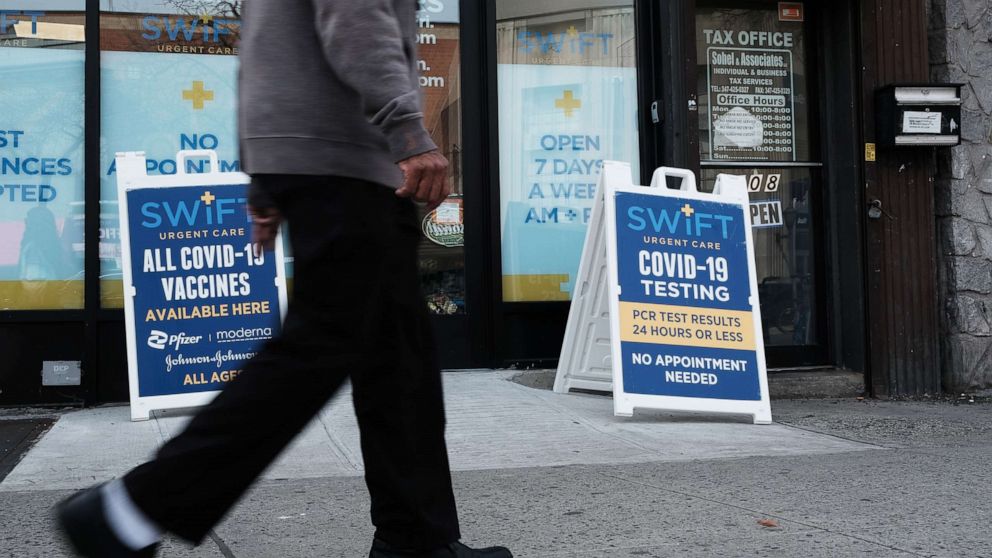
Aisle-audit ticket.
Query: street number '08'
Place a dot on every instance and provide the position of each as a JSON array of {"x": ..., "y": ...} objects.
[{"x": 763, "y": 183}]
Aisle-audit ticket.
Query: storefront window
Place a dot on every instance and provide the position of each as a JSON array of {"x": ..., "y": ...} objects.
[
  {"x": 754, "y": 120},
  {"x": 567, "y": 87},
  {"x": 168, "y": 75},
  {"x": 41, "y": 154},
  {"x": 442, "y": 252},
  {"x": 169, "y": 82}
]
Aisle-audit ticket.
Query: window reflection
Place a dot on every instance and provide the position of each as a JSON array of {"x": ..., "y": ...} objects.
[
  {"x": 169, "y": 82},
  {"x": 169, "y": 70},
  {"x": 784, "y": 250},
  {"x": 567, "y": 89},
  {"x": 41, "y": 155},
  {"x": 442, "y": 252}
]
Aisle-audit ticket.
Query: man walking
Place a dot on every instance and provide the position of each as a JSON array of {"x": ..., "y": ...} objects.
[{"x": 332, "y": 133}]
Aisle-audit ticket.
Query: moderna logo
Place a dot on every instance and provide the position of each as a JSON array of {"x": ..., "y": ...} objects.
[
  {"x": 572, "y": 40},
  {"x": 205, "y": 210},
  {"x": 686, "y": 218},
  {"x": 210, "y": 28}
]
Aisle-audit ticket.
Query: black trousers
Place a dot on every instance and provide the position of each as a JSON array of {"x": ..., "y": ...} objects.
[{"x": 356, "y": 312}]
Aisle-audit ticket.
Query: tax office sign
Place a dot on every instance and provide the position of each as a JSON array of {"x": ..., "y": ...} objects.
[
  {"x": 200, "y": 300},
  {"x": 686, "y": 323}
]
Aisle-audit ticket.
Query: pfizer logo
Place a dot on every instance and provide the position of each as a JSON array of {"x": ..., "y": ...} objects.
[{"x": 158, "y": 339}]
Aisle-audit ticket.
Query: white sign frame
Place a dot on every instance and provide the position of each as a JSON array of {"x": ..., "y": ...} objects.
[
  {"x": 586, "y": 360},
  {"x": 132, "y": 175},
  {"x": 616, "y": 178}
]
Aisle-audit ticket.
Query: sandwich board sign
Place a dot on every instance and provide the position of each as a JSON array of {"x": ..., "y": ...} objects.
[
  {"x": 199, "y": 299},
  {"x": 665, "y": 312}
]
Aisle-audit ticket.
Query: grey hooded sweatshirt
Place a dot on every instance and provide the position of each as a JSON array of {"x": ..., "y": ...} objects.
[{"x": 330, "y": 87}]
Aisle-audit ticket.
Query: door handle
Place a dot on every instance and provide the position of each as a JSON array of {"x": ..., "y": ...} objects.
[{"x": 875, "y": 210}]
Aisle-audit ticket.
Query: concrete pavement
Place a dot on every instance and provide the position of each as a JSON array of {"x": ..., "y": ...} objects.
[
  {"x": 557, "y": 476},
  {"x": 493, "y": 423}
]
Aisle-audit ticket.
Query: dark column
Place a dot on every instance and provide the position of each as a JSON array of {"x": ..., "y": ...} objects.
[{"x": 901, "y": 248}]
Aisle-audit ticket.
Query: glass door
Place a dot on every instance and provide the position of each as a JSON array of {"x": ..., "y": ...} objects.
[
  {"x": 757, "y": 112},
  {"x": 566, "y": 99},
  {"x": 41, "y": 155}
]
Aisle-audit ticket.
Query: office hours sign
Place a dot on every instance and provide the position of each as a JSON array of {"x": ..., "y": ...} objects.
[
  {"x": 754, "y": 101},
  {"x": 200, "y": 300}
]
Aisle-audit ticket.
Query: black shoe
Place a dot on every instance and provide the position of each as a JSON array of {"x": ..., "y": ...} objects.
[
  {"x": 382, "y": 549},
  {"x": 84, "y": 524}
]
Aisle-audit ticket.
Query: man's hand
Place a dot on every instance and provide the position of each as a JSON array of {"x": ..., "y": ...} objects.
[
  {"x": 264, "y": 227},
  {"x": 425, "y": 179}
]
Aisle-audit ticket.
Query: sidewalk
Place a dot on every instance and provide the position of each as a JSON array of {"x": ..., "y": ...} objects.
[{"x": 558, "y": 476}]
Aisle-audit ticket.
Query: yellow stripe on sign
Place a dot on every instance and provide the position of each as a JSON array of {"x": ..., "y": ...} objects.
[
  {"x": 687, "y": 326},
  {"x": 534, "y": 288}
]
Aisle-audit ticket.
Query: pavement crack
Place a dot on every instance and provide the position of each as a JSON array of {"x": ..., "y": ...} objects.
[
  {"x": 224, "y": 549},
  {"x": 838, "y": 436},
  {"x": 340, "y": 449},
  {"x": 163, "y": 434},
  {"x": 945, "y": 452},
  {"x": 583, "y": 421},
  {"x": 765, "y": 514}
]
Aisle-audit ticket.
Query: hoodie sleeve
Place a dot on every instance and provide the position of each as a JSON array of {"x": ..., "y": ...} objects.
[{"x": 363, "y": 43}]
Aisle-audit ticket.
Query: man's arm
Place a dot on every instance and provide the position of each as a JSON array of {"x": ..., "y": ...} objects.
[{"x": 364, "y": 45}]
